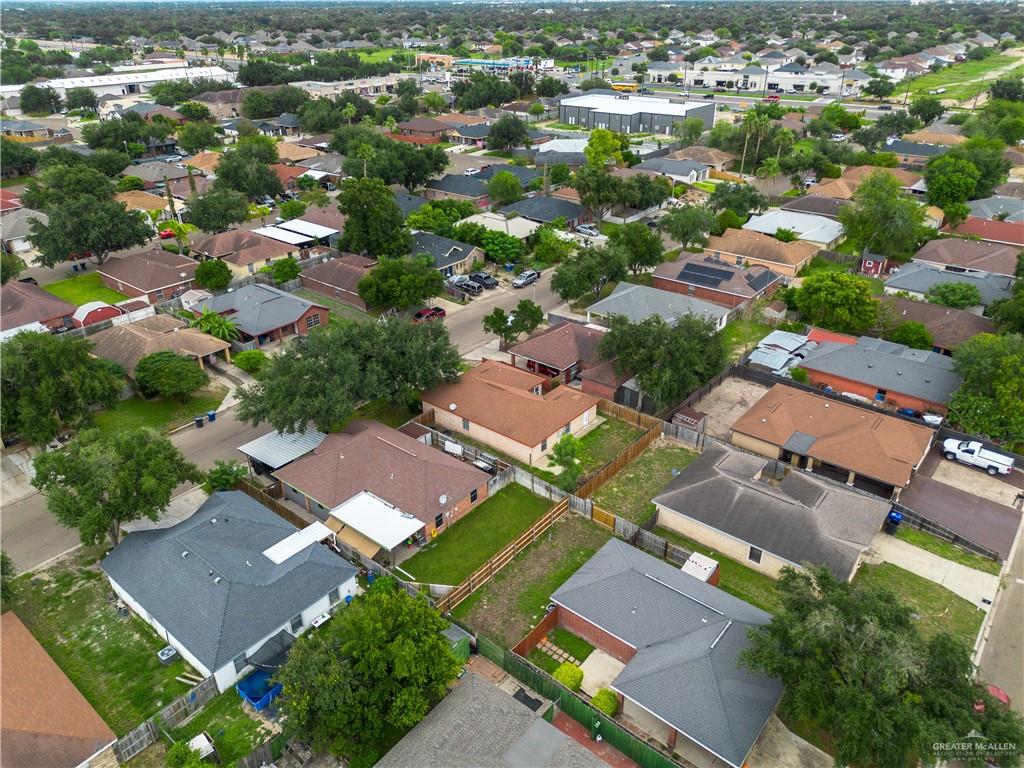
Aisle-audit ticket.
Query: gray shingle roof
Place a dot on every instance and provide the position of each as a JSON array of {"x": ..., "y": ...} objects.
[
  {"x": 259, "y": 308},
  {"x": 478, "y": 724},
  {"x": 803, "y": 520},
  {"x": 889, "y": 366},
  {"x": 918, "y": 278},
  {"x": 409, "y": 203},
  {"x": 688, "y": 635},
  {"x": 218, "y": 621},
  {"x": 991, "y": 207},
  {"x": 911, "y": 148},
  {"x": 444, "y": 250},
  {"x": 638, "y": 302},
  {"x": 672, "y": 167},
  {"x": 524, "y": 174},
  {"x": 545, "y": 209},
  {"x": 457, "y": 184}
]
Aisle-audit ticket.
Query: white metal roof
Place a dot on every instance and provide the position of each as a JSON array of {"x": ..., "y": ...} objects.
[
  {"x": 284, "y": 235},
  {"x": 308, "y": 228},
  {"x": 807, "y": 226},
  {"x": 130, "y": 78},
  {"x": 314, "y": 174},
  {"x": 377, "y": 520},
  {"x": 275, "y": 449},
  {"x": 632, "y": 105},
  {"x": 298, "y": 541}
]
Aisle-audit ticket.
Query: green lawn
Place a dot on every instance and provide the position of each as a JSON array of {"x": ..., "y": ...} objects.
[
  {"x": 741, "y": 335},
  {"x": 111, "y": 659},
  {"x": 937, "y": 546},
  {"x": 609, "y": 228},
  {"x": 474, "y": 539},
  {"x": 572, "y": 644},
  {"x": 82, "y": 289},
  {"x": 706, "y": 186},
  {"x": 157, "y": 414},
  {"x": 604, "y": 442},
  {"x": 340, "y": 311},
  {"x": 821, "y": 264},
  {"x": 14, "y": 181},
  {"x": 936, "y": 609},
  {"x": 381, "y": 410},
  {"x": 379, "y": 55},
  {"x": 735, "y": 578},
  {"x": 791, "y": 193},
  {"x": 540, "y": 659},
  {"x": 234, "y": 733},
  {"x": 629, "y": 493},
  {"x": 957, "y": 74}
]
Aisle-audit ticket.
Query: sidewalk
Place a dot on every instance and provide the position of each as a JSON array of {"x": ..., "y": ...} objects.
[{"x": 968, "y": 583}]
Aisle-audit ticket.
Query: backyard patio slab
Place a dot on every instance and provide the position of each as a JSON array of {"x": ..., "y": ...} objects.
[{"x": 599, "y": 670}]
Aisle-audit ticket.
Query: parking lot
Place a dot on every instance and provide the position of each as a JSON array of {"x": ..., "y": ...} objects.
[{"x": 727, "y": 402}]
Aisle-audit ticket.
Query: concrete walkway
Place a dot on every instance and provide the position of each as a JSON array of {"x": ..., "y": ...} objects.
[{"x": 968, "y": 583}]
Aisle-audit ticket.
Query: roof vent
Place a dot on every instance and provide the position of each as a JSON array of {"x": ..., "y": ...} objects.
[
  {"x": 248, "y": 564},
  {"x": 213, "y": 520},
  {"x": 452, "y": 406},
  {"x": 927, "y": 381},
  {"x": 871, "y": 365},
  {"x": 217, "y": 580},
  {"x": 184, "y": 554},
  {"x": 899, "y": 373}
]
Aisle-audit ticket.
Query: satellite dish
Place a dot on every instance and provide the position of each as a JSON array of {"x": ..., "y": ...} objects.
[{"x": 443, "y": 499}]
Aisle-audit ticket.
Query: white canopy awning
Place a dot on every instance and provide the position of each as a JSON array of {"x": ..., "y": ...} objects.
[
  {"x": 296, "y": 542},
  {"x": 377, "y": 520},
  {"x": 308, "y": 228},
  {"x": 284, "y": 235}
]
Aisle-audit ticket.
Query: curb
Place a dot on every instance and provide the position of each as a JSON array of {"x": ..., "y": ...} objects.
[{"x": 986, "y": 626}]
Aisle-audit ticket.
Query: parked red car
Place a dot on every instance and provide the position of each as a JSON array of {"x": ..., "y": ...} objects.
[
  {"x": 429, "y": 313},
  {"x": 166, "y": 234}
]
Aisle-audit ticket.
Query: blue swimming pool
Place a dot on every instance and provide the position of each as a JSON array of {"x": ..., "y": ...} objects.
[{"x": 258, "y": 689}]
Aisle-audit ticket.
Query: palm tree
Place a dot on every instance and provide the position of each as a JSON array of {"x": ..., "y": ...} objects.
[
  {"x": 771, "y": 170},
  {"x": 349, "y": 112},
  {"x": 390, "y": 124},
  {"x": 181, "y": 232},
  {"x": 216, "y": 325},
  {"x": 785, "y": 138},
  {"x": 762, "y": 125},
  {"x": 749, "y": 119},
  {"x": 365, "y": 152}
]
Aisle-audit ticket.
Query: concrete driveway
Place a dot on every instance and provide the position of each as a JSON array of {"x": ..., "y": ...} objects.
[{"x": 975, "y": 481}]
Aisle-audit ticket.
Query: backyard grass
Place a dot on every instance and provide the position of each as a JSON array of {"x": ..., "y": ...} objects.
[
  {"x": 82, "y": 289},
  {"x": 340, "y": 311},
  {"x": 14, "y": 181},
  {"x": 378, "y": 56},
  {"x": 111, "y": 659},
  {"x": 706, "y": 186},
  {"x": 609, "y": 228},
  {"x": 381, "y": 410},
  {"x": 516, "y": 599},
  {"x": 234, "y": 733},
  {"x": 736, "y": 579},
  {"x": 157, "y": 414},
  {"x": 153, "y": 756},
  {"x": 937, "y": 546},
  {"x": 741, "y": 335},
  {"x": 935, "y": 608},
  {"x": 821, "y": 264},
  {"x": 538, "y": 658},
  {"x": 572, "y": 644},
  {"x": 629, "y": 493},
  {"x": 474, "y": 539},
  {"x": 958, "y": 74},
  {"x": 604, "y": 442}
]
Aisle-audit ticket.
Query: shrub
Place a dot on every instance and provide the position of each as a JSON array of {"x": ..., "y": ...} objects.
[
  {"x": 799, "y": 375},
  {"x": 213, "y": 274},
  {"x": 569, "y": 675},
  {"x": 169, "y": 375},
  {"x": 606, "y": 701},
  {"x": 251, "y": 361}
]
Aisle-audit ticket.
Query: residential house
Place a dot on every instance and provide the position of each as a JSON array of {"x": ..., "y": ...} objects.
[
  {"x": 545, "y": 210},
  {"x": 910, "y": 154},
  {"x": 155, "y": 173},
  {"x": 409, "y": 203},
  {"x": 183, "y": 189},
  {"x": 45, "y": 719},
  {"x": 226, "y": 104},
  {"x": 285, "y": 124},
  {"x": 638, "y": 302},
  {"x": 516, "y": 226},
  {"x": 848, "y": 443},
  {"x": 745, "y": 248},
  {"x": 147, "y": 111},
  {"x": 150, "y": 204},
  {"x": 328, "y": 216},
  {"x": 274, "y": 450},
  {"x": 816, "y": 205},
  {"x": 716, "y": 159},
  {"x": 676, "y": 644},
  {"x": 918, "y": 279},
  {"x": 526, "y": 176},
  {"x": 972, "y": 256},
  {"x": 724, "y": 501},
  {"x": 471, "y": 134},
  {"x": 255, "y": 580},
  {"x": 458, "y": 187},
  {"x": 1000, "y": 207},
  {"x": 339, "y": 278},
  {"x": 27, "y": 307},
  {"x": 290, "y": 152},
  {"x": 992, "y": 231},
  {"x": 17, "y": 223},
  {"x": 376, "y": 487},
  {"x": 243, "y": 251},
  {"x": 264, "y": 314},
  {"x": 506, "y": 733},
  {"x": 9, "y": 201},
  {"x": 127, "y": 344},
  {"x": 24, "y": 129},
  {"x": 704, "y": 276},
  {"x": 948, "y": 327},
  {"x": 154, "y": 275},
  {"x": 560, "y": 353},
  {"x": 502, "y": 407},
  {"x": 680, "y": 171},
  {"x": 883, "y": 372},
  {"x": 422, "y": 130},
  {"x": 846, "y": 185},
  {"x": 815, "y": 230},
  {"x": 450, "y": 257},
  {"x": 288, "y": 175}
]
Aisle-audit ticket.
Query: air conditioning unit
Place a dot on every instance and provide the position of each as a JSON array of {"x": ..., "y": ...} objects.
[{"x": 167, "y": 655}]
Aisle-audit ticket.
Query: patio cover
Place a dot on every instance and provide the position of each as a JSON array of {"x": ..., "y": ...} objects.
[
  {"x": 374, "y": 518},
  {"x": 273, "y": 653},
  {"x": 275, "y": 449},
  {"x": 284, "y": 235},
  {"x": 296, "y": 542},
  {"x": 308, "y": 228},
  {"x": 358, "y": 542}
]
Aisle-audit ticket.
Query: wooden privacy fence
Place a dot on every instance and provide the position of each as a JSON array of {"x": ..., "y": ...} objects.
[
  {"x": 910, "y": 517},
  {"x": 613, "y": 467},
  {"x": 639, "y": 536},
  {"x": 171, "y": 716},
  {"x": 275, "y": 505},
  {"x": 486, "y": 572}
]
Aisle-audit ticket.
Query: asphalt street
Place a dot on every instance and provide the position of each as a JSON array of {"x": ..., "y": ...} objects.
[
  {"x": 1002, "y": 660},
  {"x": 465, "y": 324}
]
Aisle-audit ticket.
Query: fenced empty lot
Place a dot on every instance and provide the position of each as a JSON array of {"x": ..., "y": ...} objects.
[{"x": 727, "y": 402}]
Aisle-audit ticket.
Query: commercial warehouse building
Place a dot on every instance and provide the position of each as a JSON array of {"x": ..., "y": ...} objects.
[{"x": 627, "y": 113}]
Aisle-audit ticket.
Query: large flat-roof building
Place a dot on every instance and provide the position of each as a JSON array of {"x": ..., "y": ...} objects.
[
  {"x": 121, "y": 83},
  {"x": 627, "y": 113}
]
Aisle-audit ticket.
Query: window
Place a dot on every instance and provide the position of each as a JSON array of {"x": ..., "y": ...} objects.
[
  {"x": 465, "y": 425},
  {"x": 312, "y": 321},
  {"x": 754, "y": 555},
  {"x": 544, "y": 444},
  {"x": 586, "y": 418},
  {"x": 252, "y": 269},
  {"x": 567, "y": 428},
  {"x": 868, "y": 263},
  {"x": 472, "y": 496},
  {"x": 240, "y": 663},
  {"x": 159, "y": 294},
  {"x": 296, "y": 624},
  {"x": 439, "y": 521},
  {"x": 334, "y": 596}
]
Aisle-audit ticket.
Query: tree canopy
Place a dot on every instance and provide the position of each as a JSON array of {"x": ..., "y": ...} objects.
[
  {"x": 374, "y": 225},
  {"x": 955, "y": 295},
  {"x": 882, "y": 219},
  {"x": 509, "y": 326},
  {"x": 169, "y": 375},
  {"x": 689, "y": 224},
  {"x": 837, "y": 301},
  {"x": 588, "y": 272},
  {"x": 640, "y": 244},
  {"x": 401, "y": 282},
  {"x": 990, "y": 401},
  {"x": 86, "y": 226},
  {"x": 218, "y": 209},
  {"x": 507, "y": 133}
]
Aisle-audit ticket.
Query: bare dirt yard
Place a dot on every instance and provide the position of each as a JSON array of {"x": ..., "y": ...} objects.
[{"x": 727, "y": 402}]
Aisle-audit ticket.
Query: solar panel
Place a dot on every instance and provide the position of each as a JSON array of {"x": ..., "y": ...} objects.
[
  {"x": 700, "y": 269},
  {"x": 757, "y": 282},
  {"x": 698, "y": 279}
]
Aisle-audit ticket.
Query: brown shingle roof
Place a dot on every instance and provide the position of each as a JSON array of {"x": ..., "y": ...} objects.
[
  {"x": 137, "y": 200},
  {"x": 293, "y": 152},
  {"x": 328, "y": 216},
  {"x": 499, "y": 397},
  {"x": 181, "y": 188},
  {"x": 562, "y": 346},
  {"x": 204, "y": 161},
  {"x": 344, "y": 272},
  {"x": 859, "y": 173},
  {"x": 241, "y": 247},
  {"x": 1008, "y": 232},
  {"x": 127, "y": 344},
  {"x": 880, "y": 447},
  {"x": 970, "y": 254},
  {"x": 368, "y": 456},
  {"x": 46, "y": 720},
  {"x": 150, "y": 270},
  {"x": 692, "y": 268},
  {"x": 24, "y": 303},
  {"x": 754, "y": 245},
  {"x": 947, "y": 326},
  {"x": 706, "y": 155}
]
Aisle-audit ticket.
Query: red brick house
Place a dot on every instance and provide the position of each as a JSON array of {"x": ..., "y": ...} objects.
[
  {"x": 155, "y": 275},
  {"x": 706, "y": 277},
  {"x": 23, "y": 305},
  {"x": 339, "y": 278},
  {"x": 288, "y": 175},
  {"x": 422, "y": 130},
  {"x": 560, "y": 353},
  {"x": 264, "y": 314}
]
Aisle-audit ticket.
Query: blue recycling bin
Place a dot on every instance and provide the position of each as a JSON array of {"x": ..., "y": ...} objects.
[
  {"x": 371, "y": 577},
  {"x": 892, "y": 522},
  {"x": 212, "y": 416}
]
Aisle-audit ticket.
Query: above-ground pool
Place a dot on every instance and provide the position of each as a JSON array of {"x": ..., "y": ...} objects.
[{"x": 258, "y": 689}]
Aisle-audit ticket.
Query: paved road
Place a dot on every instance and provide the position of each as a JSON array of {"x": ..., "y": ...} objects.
[
  {"x": 1002, "y": 660},
  {"x": 465, "y": 326}
]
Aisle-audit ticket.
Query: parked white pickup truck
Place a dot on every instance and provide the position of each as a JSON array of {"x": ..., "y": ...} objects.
[{"x": 974, "y": 453}]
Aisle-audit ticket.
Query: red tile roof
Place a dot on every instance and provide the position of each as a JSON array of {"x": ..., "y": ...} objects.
[{"x": 1009, "y": 232}]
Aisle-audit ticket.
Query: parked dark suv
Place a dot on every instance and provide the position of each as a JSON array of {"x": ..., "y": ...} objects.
[{"x": 482, "y": 278}]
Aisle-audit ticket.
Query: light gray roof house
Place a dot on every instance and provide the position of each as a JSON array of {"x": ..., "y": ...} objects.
[
  {"x": 638, "y": 302},
  {"x": 998, "y": 205},
  {"x": 919, "y": 278},
  {"x": 671, "y": 167},
  {"x": 478, "y": 724},
  {"x": 801, "y": 520},
  {"x": 688, "y": 637},
  {"x": 219, "y": 616},
  {"x": 257, "y": 309},
  {"x": 275, "y": 449}
]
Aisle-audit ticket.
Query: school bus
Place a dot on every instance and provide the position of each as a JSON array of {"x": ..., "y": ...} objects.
[{"x": 624, "y": 87}]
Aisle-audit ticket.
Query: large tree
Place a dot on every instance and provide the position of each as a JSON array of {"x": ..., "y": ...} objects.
[
  {"x": 603, "y": 147},
  {"x": 588, "y": 272},
  {"x": 82, "y": 98},
  {"x": 218, "y": 209},
  {"x": 742, "y": 199},
  {"x": 56, "y": 185},
  {"x": 837, "y": 301},
  {"x": 689, "y": 225},
  {"x": 102, "y": 480},
  {"x": 957, "y": 295},
  {"x": 990, "y": 401},
  {"x": 688, "y": 132},
  {"x": 509, "y": 326},
  {"x": 640, "y": 244},
  {"x": 507, "y": 133},
  {"x": 855, "y": 664},
  {"x": 326, "y": 377},
  {"x": 50, "y": 382},
  {"x": 369, "y": 675},
  {"x": 401, "y": 282},
  {"x": 39, "y": 100},
  {"x": 504, "y": 188},
  {"x": 169, "y": 375},
  {"x": 883, "y": 219},
  {"x": 951, "y": 181},
  {"x": 88, "y": 226},
  {"x": 986, "y": 155},
  {"x": 374, "y": 224},
  {"x": 196, "y": 136},
  {"x": 598, "y": 189},
  {"x": 669, "y": 360}
]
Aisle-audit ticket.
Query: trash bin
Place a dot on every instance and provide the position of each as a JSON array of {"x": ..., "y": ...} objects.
[
  {"x": 370, "y": 577},
  {"x": 211, "y": 415},
  {"x": 509, "y": 266},
  {"x": 199, "y": 421},
  {"x": 74, "y": 267},
  {"x": 892, "y": 522}
]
